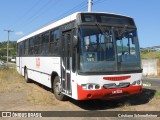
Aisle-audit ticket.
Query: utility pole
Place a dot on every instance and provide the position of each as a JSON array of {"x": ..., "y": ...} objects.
[
  {"x": 8, "y": 43},
  {"x": 90, "y": 5}
]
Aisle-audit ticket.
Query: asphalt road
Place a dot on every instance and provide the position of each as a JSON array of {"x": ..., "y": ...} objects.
[{"x": 155, "y": 82}]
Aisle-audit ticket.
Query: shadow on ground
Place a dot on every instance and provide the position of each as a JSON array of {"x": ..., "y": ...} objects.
[{"x": 140, "y": 99}]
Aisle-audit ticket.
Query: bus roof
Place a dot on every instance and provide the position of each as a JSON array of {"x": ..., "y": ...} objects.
[{"x": 58, "y": 23}]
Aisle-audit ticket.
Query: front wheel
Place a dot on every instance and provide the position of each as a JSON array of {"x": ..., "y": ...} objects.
[{"x": 57, "y": 90}]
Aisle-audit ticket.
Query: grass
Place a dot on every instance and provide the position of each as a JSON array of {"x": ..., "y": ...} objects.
[
  {"x": 11, "y": 81},
  {"x": 157, "y": 94},
  {"x": 39, "y": 96},
  {"x": 150, "y": 55}
]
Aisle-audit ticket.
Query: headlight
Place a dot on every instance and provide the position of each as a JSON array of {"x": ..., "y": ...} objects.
[
  {"x": 90, "y": 86},
  {"x": 134, "y": 83},
  {"x": 97, "y": 86},
  {"x": 138, "y": 82},
  {"x": 84, "y": 86}
]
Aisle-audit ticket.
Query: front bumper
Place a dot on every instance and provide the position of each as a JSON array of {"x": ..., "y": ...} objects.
[{"x": 107, "y": 93}]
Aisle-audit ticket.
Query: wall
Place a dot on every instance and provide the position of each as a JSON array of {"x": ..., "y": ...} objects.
[
  {"x": 151, "y": 67},
  {"x": 158, "y": 68}
]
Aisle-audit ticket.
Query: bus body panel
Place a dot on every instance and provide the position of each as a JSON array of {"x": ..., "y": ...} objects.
[
  {"x": 107, "y": 94},
  {"x": 40, "y": 68},
  {"x": 83, "y": 79},
  {"x": 101, "y": 93}
]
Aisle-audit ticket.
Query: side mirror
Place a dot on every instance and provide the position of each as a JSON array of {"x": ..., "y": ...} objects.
[{"x": 75, "y": 40}]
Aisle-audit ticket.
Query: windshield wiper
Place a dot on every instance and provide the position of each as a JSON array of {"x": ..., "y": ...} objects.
[{"x": 101, "y": 28}]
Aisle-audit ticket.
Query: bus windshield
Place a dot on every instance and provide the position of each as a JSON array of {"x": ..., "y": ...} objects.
[{"x": 106, "y": 49}]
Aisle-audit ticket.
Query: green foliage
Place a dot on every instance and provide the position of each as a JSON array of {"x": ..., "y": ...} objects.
[
  {"x": 157, "y": 93},
  {"x": 144, "y": 52},
  {"x": 3, "y": 49},
  {"x": 150, "y": 54}
]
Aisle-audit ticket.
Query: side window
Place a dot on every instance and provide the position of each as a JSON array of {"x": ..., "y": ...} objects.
[
  {"x": 18, "y": 49},
  {"x": 54, "y": 42},
  {"x": 26, "y": 46},
  {"x": 31, "y": 46},
  {"x": 52, "y": 37},
  {"x": 45, "y": 43},
  {"x": 37, "y": 44},
  {"x": 57, "y": 35}
]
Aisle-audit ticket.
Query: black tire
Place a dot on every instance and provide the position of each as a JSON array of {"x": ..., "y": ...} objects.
[
  {"x": 26, "y": 76},
  {"x": 57, "y": 90}
]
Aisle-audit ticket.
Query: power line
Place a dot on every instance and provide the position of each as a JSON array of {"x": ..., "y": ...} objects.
[
  {"x": 26, "y": 13},
  {"x": 39, "y": 11},
  {"x": 29, "y": 19},
  {"x": 42, "y": 11},
  {"x": 79, "y": 6},
  {"x": 47, "y": 8},
  {"x": 74, "y": 9},
  {"x": 98, "y": 2}
]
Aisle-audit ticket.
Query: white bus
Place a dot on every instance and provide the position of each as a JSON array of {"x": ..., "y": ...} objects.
[{"x": 87, "y": 55}]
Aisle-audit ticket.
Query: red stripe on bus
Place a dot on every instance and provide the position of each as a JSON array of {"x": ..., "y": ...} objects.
[
  {"x": 107, "y": 93},
  {"x": 116, "y": 78}
]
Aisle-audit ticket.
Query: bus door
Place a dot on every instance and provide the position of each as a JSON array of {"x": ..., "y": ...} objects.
[{"x": 66, "y": 62}]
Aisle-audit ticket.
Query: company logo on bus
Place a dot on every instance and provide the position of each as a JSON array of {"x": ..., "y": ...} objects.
[{"x": 37, "y": 62}]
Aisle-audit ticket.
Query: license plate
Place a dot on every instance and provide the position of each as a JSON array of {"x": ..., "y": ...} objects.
[{"x": 117, "y": 91}]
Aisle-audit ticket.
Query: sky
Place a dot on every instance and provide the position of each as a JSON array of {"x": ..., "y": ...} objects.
[{"x": 26, "y": 16}]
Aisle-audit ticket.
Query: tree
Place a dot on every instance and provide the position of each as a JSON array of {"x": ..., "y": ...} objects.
[{"x": 3, "y": 49}]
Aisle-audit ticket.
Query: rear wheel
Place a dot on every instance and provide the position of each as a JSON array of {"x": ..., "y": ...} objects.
[
  {"x": 57, "y": 90},
  {"x": 26, "y": 76}
]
